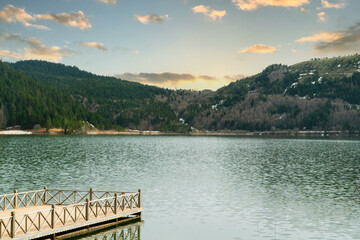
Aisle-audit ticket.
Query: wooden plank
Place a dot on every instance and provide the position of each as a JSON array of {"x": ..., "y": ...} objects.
[{"x": 78, "y": 225}]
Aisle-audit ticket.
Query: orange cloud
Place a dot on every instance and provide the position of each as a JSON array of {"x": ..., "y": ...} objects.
[
  {"x": 38, "y": 50},
  {"x": 145, "y": 19},
  {"x": 321, "y": 37},
  {"x": 259, "y": 48},
  {"x": 250, "y": 5},
  {"x": 180, "y": 80},
  {"x": 97, "y": 45},
  {"x": 73, "y": 19},
  {"x": 210, "y": 13},
  {"x": 12, "y": 14},
  {"x": 326, "y": 4},
  {"x": 322, "y": 16},
  {"x": 7, "y": 53}
]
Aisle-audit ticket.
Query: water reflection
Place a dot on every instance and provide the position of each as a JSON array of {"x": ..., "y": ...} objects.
[{"x": 126, "y": 232}]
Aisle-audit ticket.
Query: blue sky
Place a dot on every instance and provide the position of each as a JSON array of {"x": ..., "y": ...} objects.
[{"x": 194, "y": 44}]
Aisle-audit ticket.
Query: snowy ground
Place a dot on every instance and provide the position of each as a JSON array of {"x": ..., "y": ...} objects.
[{"x": 15, "y": 132}]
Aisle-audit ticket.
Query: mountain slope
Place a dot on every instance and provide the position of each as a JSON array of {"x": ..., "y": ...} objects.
[
  {"x": 125, "y": 103},
  {"x": 26, "y": 102},
  {"x": 317, "y": 94},
  {"x": 321, "y": 94}
]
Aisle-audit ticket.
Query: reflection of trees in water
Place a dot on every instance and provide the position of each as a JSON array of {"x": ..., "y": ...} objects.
[{"x": 128, "y": 232}]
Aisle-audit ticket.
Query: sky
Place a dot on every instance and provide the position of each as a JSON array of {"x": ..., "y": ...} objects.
[{"x": 178, "y": 44}]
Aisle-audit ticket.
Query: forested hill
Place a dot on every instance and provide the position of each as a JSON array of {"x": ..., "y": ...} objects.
[
  {"x": 125, "y": 103},
  {"x": 320, "y": 94},
  {"x": 26, "y": 102},
  {"x": 74, "y": 81}
]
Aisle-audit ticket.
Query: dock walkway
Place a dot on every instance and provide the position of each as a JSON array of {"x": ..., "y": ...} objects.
[{"x": 50, "y": 212}]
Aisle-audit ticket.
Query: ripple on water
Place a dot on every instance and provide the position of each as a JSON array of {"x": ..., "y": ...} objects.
[{"x": 204, "y": 187}]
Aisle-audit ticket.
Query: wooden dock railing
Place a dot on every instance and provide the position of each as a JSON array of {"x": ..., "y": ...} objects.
[
  {"x": 61, "y": 208},
  {"x": 22, "y": 199}
]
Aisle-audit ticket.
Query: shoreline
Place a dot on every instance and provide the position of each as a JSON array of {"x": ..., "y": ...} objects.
[{"x": 279, "y": 133}]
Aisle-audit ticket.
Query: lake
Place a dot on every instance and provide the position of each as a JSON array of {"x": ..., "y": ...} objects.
[{"x": 204, "y": 187}]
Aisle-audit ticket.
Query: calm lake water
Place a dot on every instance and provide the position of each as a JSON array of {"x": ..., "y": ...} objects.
[{"x": 204, "y": 187}]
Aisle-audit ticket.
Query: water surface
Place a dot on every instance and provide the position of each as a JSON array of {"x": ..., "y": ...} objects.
[{"x": 204, "y": 187}]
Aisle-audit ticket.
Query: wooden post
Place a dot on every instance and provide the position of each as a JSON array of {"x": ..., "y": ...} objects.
[
  {"x": 139, "y": 198},
  {"x": 91, "y": 194},
  {"x": 87, "y": 210},
  {"x": 0, "y": 229},
  {"x": 44, "y": 197},
  {"x": 53, "y": 216},
  {"x": 15, "y": 198},
  {"x": 115, "y": 203},
  {"x": 12, "y": 226}
]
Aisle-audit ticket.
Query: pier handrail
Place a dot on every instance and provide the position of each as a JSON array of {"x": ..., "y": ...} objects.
[
  {"x": 21, "y": 199},
  {"x": 61, "y": 197},
  {"x": 60, "y": 215}
]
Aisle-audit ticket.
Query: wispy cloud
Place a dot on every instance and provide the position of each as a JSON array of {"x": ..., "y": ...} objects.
[
  {"x": 157, "y": 77},
  {"x": 36, "y": 49},
  {"x": 110, "y": 2},
  {"x": 326, "y": 4},
  {"x": 96, "y": 45},
  {"x": 208, "y": 12},
  {"x": 233, "y": 78},
  {"x": 11, "y": 14},
  {"x": 74, "y": 19},
  {"x": 322, "y": 16},
  {"x": 259, "y": 48},
  {"x": 127, "y": 50},
  {"x": 7, "y": 53},
  {"x": 145, "y": 19},
  {"x": 346, "y": 41},
  {"x": 180, "y": 80},
  {"x": 251, "y": 5},
  {"x": 321, "y": 37}
]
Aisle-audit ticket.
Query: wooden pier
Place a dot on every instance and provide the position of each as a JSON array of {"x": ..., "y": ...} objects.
[{"x": 49, "y": 213}]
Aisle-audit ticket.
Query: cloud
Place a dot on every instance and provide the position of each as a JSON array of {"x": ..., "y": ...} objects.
[
  {"x": 10, "y": 36},
  {"x": 233, "y": 78},
  {"x": 251, "y": 5},
  {"x": 96, "y": 45},
  {"x": 127, "y": 50},
  {"x": 180, "y": 80},
  {"x": 36, "y": 49},
  {"x": 7, "y": 53},
  {"x": 321, "y": 37},
  {"x": 11, "y": 14},
  {"x": 343, "y": 41},
  {"x": 210, "y": 13},
  {"x": 110, "y": 2},
  {"x": 322, "y": 16},
  {"x": 157, "y": 77},
  {"x": 326, "y": 4},
  {"x": 145, "y": 19},
  {"x": 74, "y": 19},
  {"x": 259, "y": 48},
  {"x": 348, "y": 41}
]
